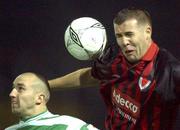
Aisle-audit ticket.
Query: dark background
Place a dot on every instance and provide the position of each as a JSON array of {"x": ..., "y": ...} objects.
[{"x": 32, "y": 39}]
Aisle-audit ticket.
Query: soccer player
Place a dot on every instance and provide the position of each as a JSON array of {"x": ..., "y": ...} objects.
[
  {"x": 139, "y": 82},
  {"x": 29, "y": 96}
]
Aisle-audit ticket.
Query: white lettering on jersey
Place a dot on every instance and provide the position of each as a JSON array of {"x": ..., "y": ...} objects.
[{"x": 126, "y": 103}]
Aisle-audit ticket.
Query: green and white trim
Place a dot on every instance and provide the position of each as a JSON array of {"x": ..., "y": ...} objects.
[{"x": 49, "y": 121}]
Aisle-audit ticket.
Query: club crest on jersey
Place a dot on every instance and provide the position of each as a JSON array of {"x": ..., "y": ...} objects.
[{"x": 144, "y": 83}]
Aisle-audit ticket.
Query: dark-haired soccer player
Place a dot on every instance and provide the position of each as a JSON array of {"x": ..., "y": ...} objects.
[{"x": 140, "y": 83}]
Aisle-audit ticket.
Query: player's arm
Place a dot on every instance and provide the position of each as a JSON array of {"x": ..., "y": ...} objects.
[{"x": 79, "y": 78}]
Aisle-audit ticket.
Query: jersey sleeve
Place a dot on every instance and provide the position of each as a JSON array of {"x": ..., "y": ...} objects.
[{"x": 101, "y": 68}]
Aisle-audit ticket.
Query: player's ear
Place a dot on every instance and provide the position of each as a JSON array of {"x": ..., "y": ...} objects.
[
  {"x": 148, "y": 32},
  {"x": 40, "y": 98}
]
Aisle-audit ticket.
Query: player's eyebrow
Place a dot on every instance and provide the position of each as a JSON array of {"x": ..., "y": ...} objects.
[
  {"x": 129, "y": 32},
  {"x": 18, "y": 84}
]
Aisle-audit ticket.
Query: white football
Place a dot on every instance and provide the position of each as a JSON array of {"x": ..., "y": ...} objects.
[{"x": 85, "y": 38}]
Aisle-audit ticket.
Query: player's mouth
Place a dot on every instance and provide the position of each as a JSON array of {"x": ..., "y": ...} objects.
[
  {"x": 13, "y": 102},
  {"x": 129, "y": 52}
]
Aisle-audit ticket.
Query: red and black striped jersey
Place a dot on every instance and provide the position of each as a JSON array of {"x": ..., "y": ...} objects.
[{"x": 144, "y": 96}]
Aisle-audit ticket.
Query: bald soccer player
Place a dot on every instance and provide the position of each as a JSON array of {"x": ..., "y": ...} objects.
[{"x": 29, "y": 97}]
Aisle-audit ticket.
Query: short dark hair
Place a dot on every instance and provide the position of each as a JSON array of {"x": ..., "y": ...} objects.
[
  {"x": 141, "y": 15},
  {"x": 44, "y": 80},
  {"x": 46, "y": 83}
]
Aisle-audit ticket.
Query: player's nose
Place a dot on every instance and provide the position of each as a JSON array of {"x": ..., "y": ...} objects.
[
  {"x": 125, "y": 41},
  {"x": 13, "y": 93}
]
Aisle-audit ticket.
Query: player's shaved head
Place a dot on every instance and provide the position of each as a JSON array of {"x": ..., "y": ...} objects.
[{"x": 38, "y": 83}]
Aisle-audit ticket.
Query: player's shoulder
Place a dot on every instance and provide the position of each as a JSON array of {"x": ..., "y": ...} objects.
[
  {"x": 169, "y": 61},
  {"x": 166, "y": 57},
  {"x": 74, "y": 123},
  {"x": 70, "y": 119}
]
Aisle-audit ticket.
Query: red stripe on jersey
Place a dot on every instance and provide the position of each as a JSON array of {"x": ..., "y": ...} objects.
[
  {"x": 156, "y": 117},
  {"x": 144, "y": 122}
]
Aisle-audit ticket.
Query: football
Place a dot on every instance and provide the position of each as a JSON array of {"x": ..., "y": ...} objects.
[{"x": 85, "y": 38}]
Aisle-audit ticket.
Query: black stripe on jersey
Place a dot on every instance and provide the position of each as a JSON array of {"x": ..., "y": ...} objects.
[
  {"x": 130, "y": 90},
  {"x": 131, "y": 74},
  {"x": 129, "y": 125},
  {"x": 119, "y": 69},
  {"x": 149, "y": 115}
]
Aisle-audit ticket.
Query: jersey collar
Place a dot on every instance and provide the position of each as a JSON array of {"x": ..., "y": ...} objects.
[{"x": 151, "y": 52}]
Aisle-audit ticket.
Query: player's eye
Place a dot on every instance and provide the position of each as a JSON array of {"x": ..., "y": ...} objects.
[
  {"x": 129, "y": 34},
  {"x": 118, "y": 35},
  {"x": 20, "y": 88}
]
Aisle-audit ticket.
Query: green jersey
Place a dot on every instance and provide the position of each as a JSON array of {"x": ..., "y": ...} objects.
[{"x": 49, "y": 121}]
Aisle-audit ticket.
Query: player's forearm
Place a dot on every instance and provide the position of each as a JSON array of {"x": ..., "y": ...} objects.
[{"x": 79, "y": 78}]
